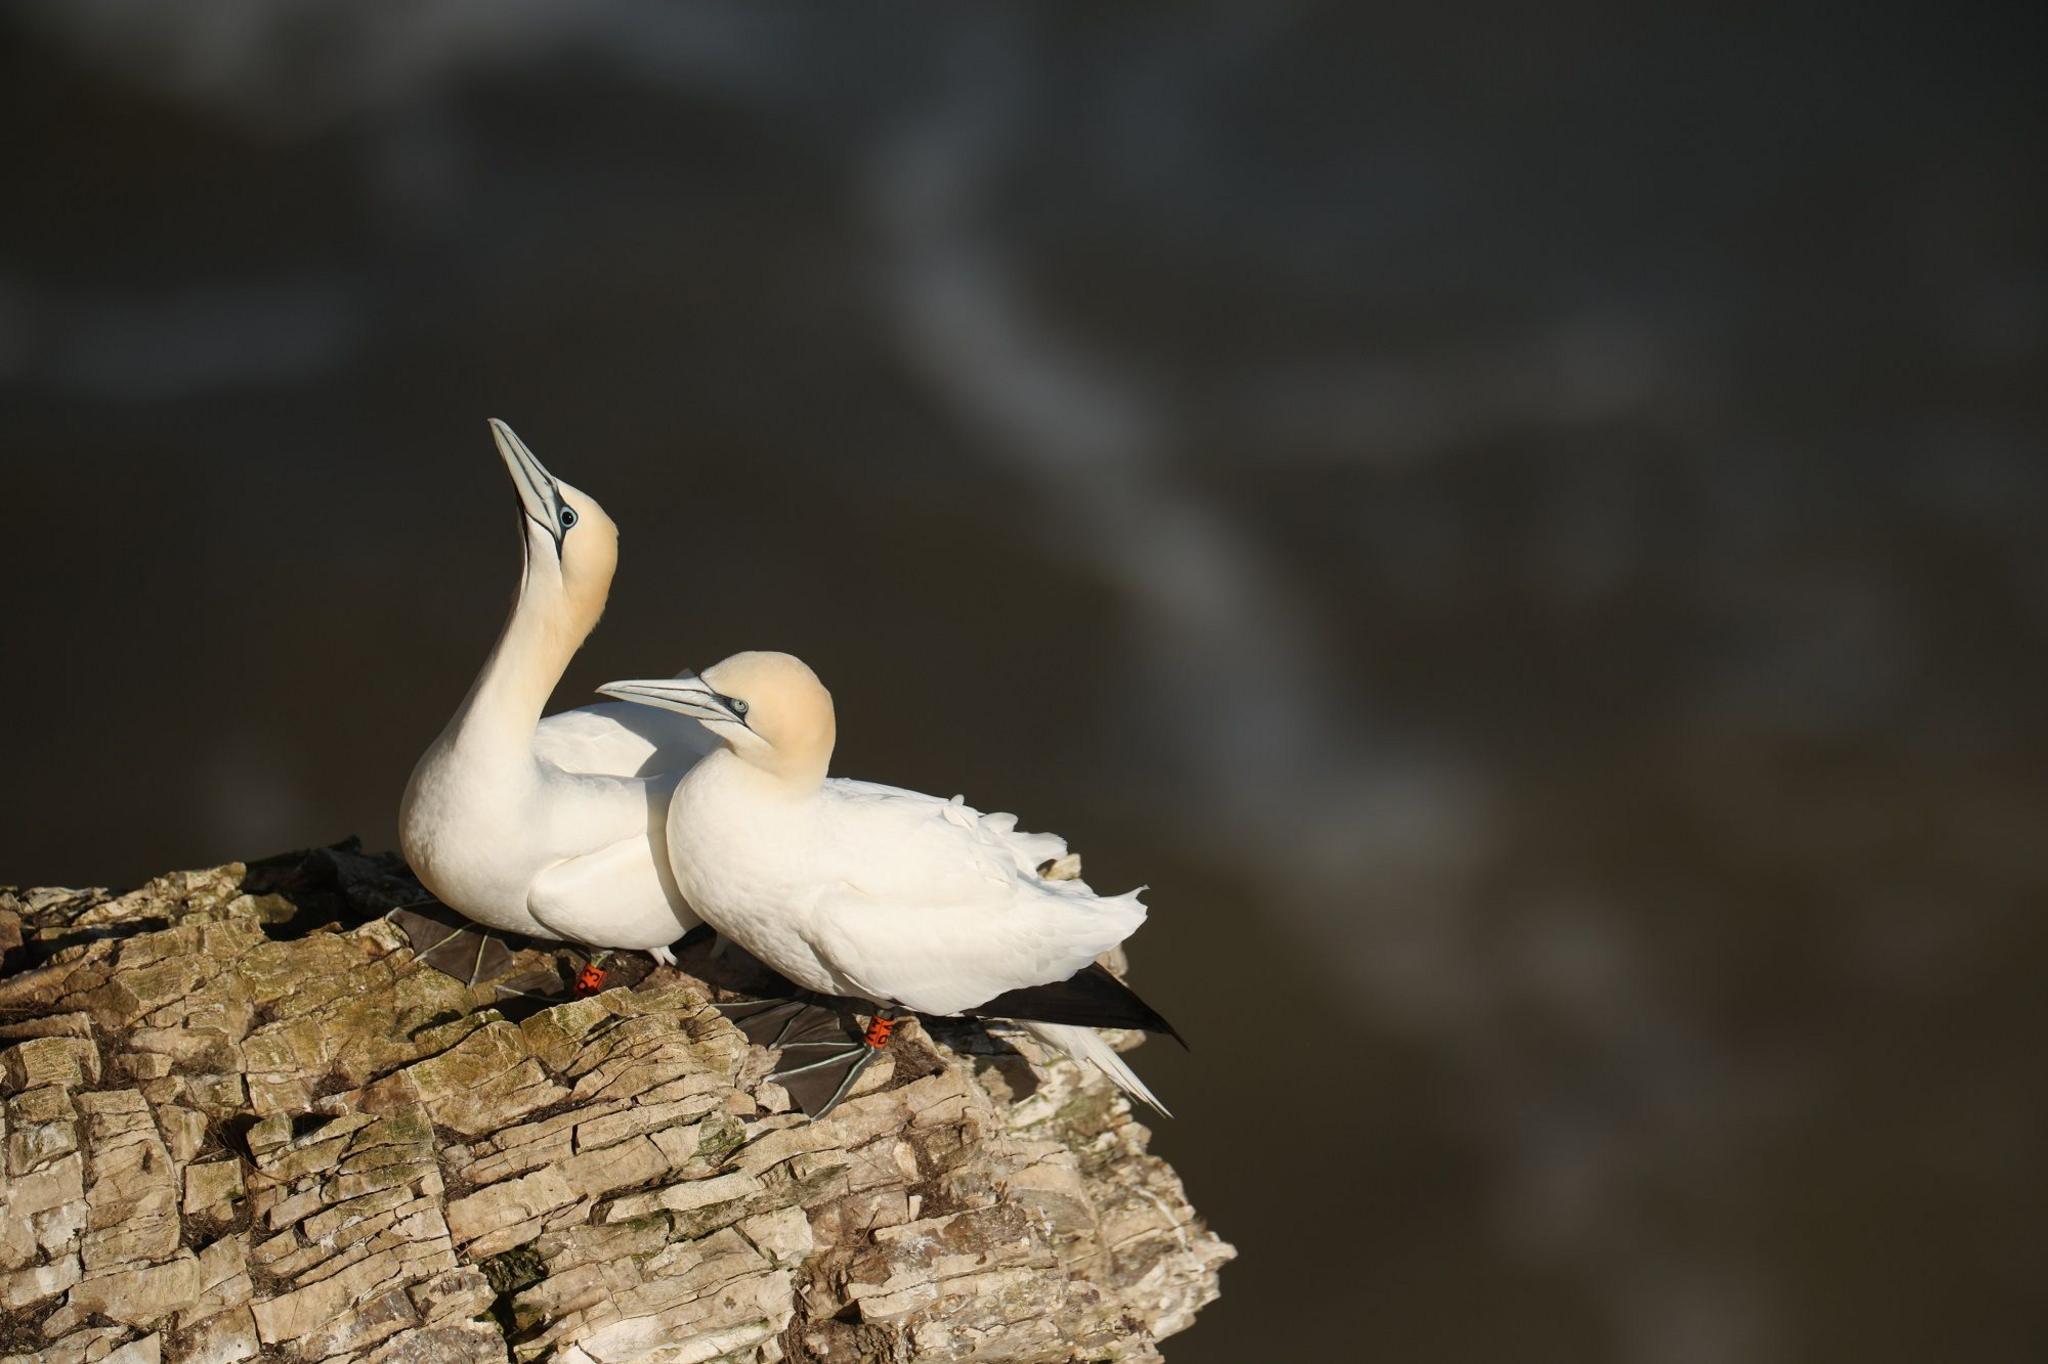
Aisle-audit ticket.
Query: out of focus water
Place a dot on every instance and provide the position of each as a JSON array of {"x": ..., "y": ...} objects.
[{"x": 1526, "y": 528}]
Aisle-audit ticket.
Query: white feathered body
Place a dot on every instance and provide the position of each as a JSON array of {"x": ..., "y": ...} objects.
[
  {"x": 564, "y": 841},
  {"x": 883, "y": 894},
  {"x": 551, "y": 828}
]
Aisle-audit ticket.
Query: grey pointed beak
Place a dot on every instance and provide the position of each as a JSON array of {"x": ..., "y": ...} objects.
[
  {"x": 539, "y": 496},
  {"x": 687, "y": 695}
]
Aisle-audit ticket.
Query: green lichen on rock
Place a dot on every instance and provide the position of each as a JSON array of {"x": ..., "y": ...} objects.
[
  {"x": 243, "y": 1120},
  {"x": 518, "y": 1268}
]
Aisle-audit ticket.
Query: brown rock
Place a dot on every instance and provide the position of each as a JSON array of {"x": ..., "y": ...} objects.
[
  {"x": 370, "y": 1167},
  {"x": 93, "y": 1343},
  {"x": 72, "y": 1062},
  {"x": 467, "y": 1342},
  {"x": 42, "y": 1127},
  {"x": 212, "y": 1186},
  {"x": 25, "y": 1287},
  {"x": 139, "y": 1297},
  {"x": 44, "y": 1204},
  {"x": 226, "y": 1338},
  {"x": 184, "y": 1131},
  {"x": 133, "y": 1202},
  {"x": 224, "y": 1281},
  {"x": 148, "y": 1350},
  {"x": 49, "y": 1025}
]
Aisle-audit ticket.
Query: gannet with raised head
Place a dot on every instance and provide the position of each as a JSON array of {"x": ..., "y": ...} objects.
[
  {"x": 552, "y": 828},
  {"x": 852, "y": 889}
]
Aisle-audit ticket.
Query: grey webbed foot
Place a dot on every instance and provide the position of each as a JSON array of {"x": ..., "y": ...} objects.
[
  {"x": 521, "y": 982},
  {"x": 818, "y": 1085},
  {"x": 451, "y": 944}
]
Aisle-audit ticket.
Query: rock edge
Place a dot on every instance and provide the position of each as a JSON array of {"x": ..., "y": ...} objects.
[{"x": 242, "y": 1121}]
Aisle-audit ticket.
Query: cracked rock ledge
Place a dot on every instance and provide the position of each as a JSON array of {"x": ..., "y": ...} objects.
[{"x": 242, "y": 1121}]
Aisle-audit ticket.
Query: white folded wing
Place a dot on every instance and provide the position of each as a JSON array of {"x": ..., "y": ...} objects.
[
  {"x": 621, "y": 739},
  {"x": 941, "y": 908}
]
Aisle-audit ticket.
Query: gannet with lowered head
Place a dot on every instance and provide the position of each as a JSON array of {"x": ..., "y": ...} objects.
[
  {"x": 853, "y": 889},
  {"x": 551, "y": 828}
]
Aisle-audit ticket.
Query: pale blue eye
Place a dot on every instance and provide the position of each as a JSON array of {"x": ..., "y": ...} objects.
[{"x": 568, "y": 517}]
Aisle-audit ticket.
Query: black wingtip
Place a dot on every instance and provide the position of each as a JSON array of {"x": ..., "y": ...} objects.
[{"x": 1090, "y": 998}]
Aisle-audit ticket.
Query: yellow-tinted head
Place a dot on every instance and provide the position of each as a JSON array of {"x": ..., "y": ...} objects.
[
  {"x": 769, "y": 708},
  {"x": 572, "y": 547}
]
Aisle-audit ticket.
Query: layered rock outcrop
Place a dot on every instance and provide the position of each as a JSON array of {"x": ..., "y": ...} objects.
[{"x": 243, "y": 1120}]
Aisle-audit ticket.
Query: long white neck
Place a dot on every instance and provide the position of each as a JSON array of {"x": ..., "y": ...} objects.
[{"x": 541, "y": 635}]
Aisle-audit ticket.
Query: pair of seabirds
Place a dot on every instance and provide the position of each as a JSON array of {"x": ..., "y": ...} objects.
[{"x": 621, "y": 825}]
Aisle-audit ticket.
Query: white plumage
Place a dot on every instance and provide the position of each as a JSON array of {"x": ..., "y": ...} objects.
[
  {"x": 884, "y": 895},
  {"x": 854, "y": 889},
  {"x": 553, "y": 829},
  {"x": 619, "y": 739}
]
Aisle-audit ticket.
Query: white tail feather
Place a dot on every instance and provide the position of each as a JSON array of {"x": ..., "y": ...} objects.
[{"x": 1085, "y": 1045}]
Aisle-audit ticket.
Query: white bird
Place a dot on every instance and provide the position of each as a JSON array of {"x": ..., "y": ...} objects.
[
  {"x": 552, "y": 828},
  {"x": 853, "y": 889}
]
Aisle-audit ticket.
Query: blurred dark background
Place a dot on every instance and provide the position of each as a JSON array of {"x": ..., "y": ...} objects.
[{"x": 1525, "y": 526}]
